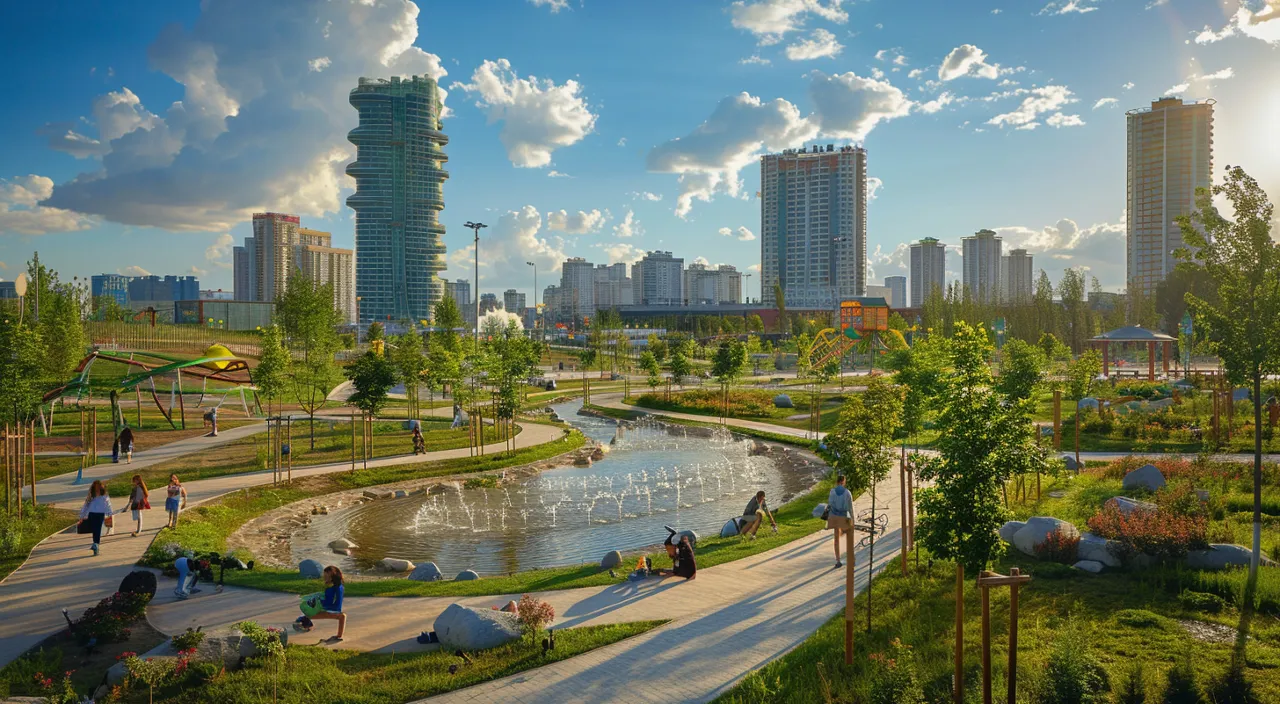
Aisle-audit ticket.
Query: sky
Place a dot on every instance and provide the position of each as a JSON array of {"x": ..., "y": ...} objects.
[{"x": 139, "y": 137}]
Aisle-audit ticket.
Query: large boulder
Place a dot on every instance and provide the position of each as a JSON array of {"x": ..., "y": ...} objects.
[
  {"x": 1147, "y": 477},
  {"x": 1218, "y": 556},
  {"x": 1009, "y": 529},
  {"x": 1070, "y": 462},
  {"x": 342, "y": 544},
  {"x": 819, "y": 510},
  {"x": 311, "y": 569},
  {"x": 783, "y": 401},
  {"x": 465, "y": 628},
  {"x": 1097, "y": 549},
  {"x": 467, "y": 576},
  {"x": 1088, "y": 402},
  {"x": 1128, "y": 506},
  {"x": 395, "y": 564},
  {"x": 1037, "y": 529},
  {"x": 1091, "y": 566},
  {"x": 611, "y": 559},
  {"x": 426, "y": 572}
]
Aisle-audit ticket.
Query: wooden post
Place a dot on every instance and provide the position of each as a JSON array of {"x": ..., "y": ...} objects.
[
  {"x": 31, "y": 451},
  {"x": 959, "y": 676},
  {"x": 1057, "y": 419},
  {"x": 288, "y": 429},
  {"x": 1013, "y": 635},
  {"x": 1078, "y": 431},
  {"x": 902, "y": 501},
  {"x": 985, "y": 581},
  {"x": 986, "y": 643},
  {"x": 1151, "y": 361},
  {"x": 848, "y": 596},
  {"x": 353, "y": 438}
]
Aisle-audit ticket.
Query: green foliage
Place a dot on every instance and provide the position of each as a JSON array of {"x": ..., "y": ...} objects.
[
  {"x": 1201, "y": 601},
  {"x": 406, "y": 355},
  {"x": 447, "y": 319},
  {"x": 485, "y": 482},
  {"x": 372, "y": 377},
  {"x": 729, "y": 362},
  {"x": 188, "y": 639},
  {"x": 893, "y": 676},
  {"x": 649, "y": 364},
  {"x": 922, "y": 371},
  {"x": 680, "y": 366},
  {"x": 62, "y": 332},
  {"x": 375, "y": 331},
  {"x": 21, "y": 369},
  {"x": 1233, "y": 686},
  {"x": 309, "y": 321},
  {"x": 1180, "y": 684},
  {"x": 1073, "y": 674},
  {"x": 863, "y": 438},
  {"x": 1133, "y": 685},
  {"x": 271, "y": 374},
  {"x": 1022, "y": 367},
  {"x": 1082, "y": 373}
]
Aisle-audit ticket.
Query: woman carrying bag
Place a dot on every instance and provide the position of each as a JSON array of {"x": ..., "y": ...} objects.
[
  {"x": 95, "y": 512},
  {"x": 138, "y": 502},
  {"x": 839, "y": 512}
]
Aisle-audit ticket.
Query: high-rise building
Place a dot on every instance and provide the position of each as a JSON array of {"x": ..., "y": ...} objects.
[
  {"x": 244, "y": 271},
  {"x": 981, "y": 276},
  {"x": 280, "y": 250},
  {"x": 661, "y": 280},
  {"x": 728, "y": 284},
  {"x": 512, "y": 301},
  {"x": 874, "y": 291},
  {"x": 897, "y": 291},
  {"x": 612, "y": 286},
  {"x": 399, "y": 173},
  {"x": 488, "y": 303},
  {"x": 813, "y": 217},
  {"x": 144, "y": 290},
  {"x": 459, "y": 290},
  {"x": 113, "y": 286},
  {"x": 699, "y": 285},
  {"x": 325, "y": 264},
  {"x": 577, "y": 291},
  {"x": 928, "y": 269},
  {"x": 274, "y": 237},
  {"x": 1170, "y": 155},
  {"x": 551, "y": 307},
  {"x": 1016, "y": 276}
]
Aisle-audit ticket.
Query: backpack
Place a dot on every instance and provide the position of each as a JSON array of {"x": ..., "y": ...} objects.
[{"x": 139, "y": 582}]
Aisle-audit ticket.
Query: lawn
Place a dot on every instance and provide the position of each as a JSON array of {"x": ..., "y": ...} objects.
[
  {"x": 312, "y": 675},
  {"x": 1120, "y": 619},
  {"x": 20, "y": 537},
  {"x": 744, "y": 404}
]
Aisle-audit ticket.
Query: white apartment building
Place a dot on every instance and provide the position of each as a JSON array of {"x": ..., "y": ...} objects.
[
  {"x": 928, "y": 269},
  {"x": 577, "y": 291},
  {"x": 813, "y": 219},
  {"x": 981, "y": 254},
  {"x": 658, "y": 280},
  {"x": 279, "y": 248},
  {"x": 897, "y": 286},
  {"x": 613, "y": 287},
  {"x": 1016, "y": 276}
]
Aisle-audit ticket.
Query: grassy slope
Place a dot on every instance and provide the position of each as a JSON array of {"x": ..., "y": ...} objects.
[{"x": 50, "y": 521}]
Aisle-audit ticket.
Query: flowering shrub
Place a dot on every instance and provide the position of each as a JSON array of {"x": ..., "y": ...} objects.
[
  {"x": 188, "y": 640},
  {"x": 534, "y": 614},
  {"x": 63, "y": 692},
  {"x": 893, "y": 676},
  {"x": 1198, "y": 471},
  {"x": 110, "y": 619},
  {"x": 742, "y": 402},
  {"x": 1181, "y": 499},
  {"x": 1160, "y": 534},
  {"x": 1059, "y": 546},
  {"x": 151, "y": 671}
]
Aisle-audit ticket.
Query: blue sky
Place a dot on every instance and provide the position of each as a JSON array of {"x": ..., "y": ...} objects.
[{"x": 141, "y": 136}]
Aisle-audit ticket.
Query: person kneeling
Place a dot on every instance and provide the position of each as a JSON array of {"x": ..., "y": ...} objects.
[
  {"x": 682, "y": 561},
  {"x": 327, "y": 606}
]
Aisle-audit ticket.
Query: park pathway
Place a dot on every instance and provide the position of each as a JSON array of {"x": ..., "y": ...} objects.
[{"x": 62, "y": 573}]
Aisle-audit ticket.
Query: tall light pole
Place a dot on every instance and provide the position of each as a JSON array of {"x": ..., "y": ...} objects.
[
  {"x": 475, "y": 226},
  {"x": 535, "y": 295},
  {"x": 746, "y": 291}
]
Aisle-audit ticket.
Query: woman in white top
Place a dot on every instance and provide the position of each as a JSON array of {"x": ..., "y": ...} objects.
[{"x": 97, "y": 506}]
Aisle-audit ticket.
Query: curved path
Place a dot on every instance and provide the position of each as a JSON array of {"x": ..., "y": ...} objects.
[{"x": 62, "y": 573}]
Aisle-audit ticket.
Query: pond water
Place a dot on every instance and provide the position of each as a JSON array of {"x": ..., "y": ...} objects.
[{"x": 653, "y": 474}]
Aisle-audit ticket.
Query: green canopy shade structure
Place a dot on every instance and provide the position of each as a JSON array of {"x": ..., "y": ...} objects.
[{"x": 1135, "y": 334}]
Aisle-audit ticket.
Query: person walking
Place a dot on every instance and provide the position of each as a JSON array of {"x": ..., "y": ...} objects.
[
  {"x": 126, "y": 444},
  {"x": 839, "y": 512},
  {"x": 138, "y": 502},
  {"x": 175, "y": 499},
  {"x": 94, "y": 513}
]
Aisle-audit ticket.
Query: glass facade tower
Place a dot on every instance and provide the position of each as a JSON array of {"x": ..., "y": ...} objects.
[{"x": 399, "y": 191}]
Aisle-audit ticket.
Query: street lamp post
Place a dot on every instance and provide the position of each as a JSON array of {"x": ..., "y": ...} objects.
[
  {"x": 535, "y": 295},
  {"x": 475, "y": 226},
  {"x": 358, "y": 319},
  {"x": 746, "y": 292}
]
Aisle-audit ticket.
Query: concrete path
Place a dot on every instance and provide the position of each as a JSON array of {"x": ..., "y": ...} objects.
[{"x": 62, "y": 573}]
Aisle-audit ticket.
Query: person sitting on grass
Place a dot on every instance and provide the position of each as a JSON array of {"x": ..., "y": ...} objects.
[
  {"x": 330, "y": 606},
  {"x": 755, "y": 513},
  {"x": 681, "y": 553}
]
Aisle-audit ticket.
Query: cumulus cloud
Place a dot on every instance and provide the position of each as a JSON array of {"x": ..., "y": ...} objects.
[
  {"x": 219, "y": 253},
  {"x": 742, "y": 233},
  {"x": 554, "y": 5},
  {"x": 579, "y": 223},
  {"x": 319, "y": 64},
  {"x": 646, "y": 195},
  {"x": 629, "y": 226},
  {"x": 1104, "y": 102},
  {"x": 1068, "y": 7},
  {"x": 1178, "y": 88},
  {"x": 967, "y": 60},
  {"x": 133, "y": 270},
  {"x": 22, "y": 214},
  {"x": 621, "y": 252},
  {"x": 1222, "y": 75},
  {"x": 874, "y": 184},
  {"x": 537, "y": 117},
  {"x": 769, "y": 20},
  {"x": 1044, "y": 99},
  {"x": 820, "y": 44},
  {"x": 556, "y": 174},
  {"x": 754, "y": 59},
  {"x": 1059, "y": 120},
  {"x": 936, "y": 104},
  {"x": 848, "y": 106},
  {"x": 1065, "y": 244},
  {"x": 255, "y": 128},
  {"x": 1128, "y": 86},
  {"x": 1263, "y": 25},
  {"x": 893, "y": 56},
  {"x": 515, "y": 239}
]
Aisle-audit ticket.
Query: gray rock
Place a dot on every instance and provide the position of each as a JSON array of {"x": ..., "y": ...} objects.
[
  {"x": 465, "y": 628},
  {"x": 730, "y": 528},
  {"x": 310, "y": 568},
  {"x": 394, "y": 564},
  {"x": 342, "y": 544},
  {"x": 1128, "y": 506},
  {"x": 783, "y": 401},
  {"x": 1088, "y": 402},
  {"x": 1009, "y": 529},
  {"x": 1091, "y": 566},
  {"x": 1070, "y": 462},
  {"x": 426, "y": 572},
  {"x": 1160, "y": 404},
  {"x": 611, "y": 559},
  {"x": 1037, "y": 530},
  {"x": 1097, "y": 549},
  {"x": 1145, "y": 477},
  {"x": 401, "y": 493},
  {"x": 466, "y": 576},
  {"x": 377, "y": 494},
  {"x": 817, "y": 510},
  {"x": 1219, "y": 556}
]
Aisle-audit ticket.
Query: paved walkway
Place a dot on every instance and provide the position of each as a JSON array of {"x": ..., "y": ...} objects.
[{"x": 61, "y": 572}]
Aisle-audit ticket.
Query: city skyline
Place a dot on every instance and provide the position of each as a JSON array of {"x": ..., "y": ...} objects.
[{"x": 127, "y": 159}]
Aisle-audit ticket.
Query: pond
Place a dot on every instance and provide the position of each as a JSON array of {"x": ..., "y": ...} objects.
[{"x": 654, "y": 474}]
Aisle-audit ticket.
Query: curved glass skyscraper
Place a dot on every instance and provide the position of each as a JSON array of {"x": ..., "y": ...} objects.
[{"x": 399, "y": 189}]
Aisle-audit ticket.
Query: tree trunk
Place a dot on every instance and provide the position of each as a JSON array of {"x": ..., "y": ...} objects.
[{"x": 1257, "y": 477}]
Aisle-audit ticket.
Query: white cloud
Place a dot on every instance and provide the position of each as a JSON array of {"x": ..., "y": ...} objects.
[
  {"x": 1104, "y": 102},
  {"x": 646, "y": 195},
  {"x": 537, "y": 117},
  {"x": 1128, "y": 86},
  {"x": 1263, "y": 25},
  {"x": 514, "y": 240},
  {"x": 629, "y": 227},
  {"x": 556, "y": 174},
  {"x": 703, "y": 261},
  {"x": 996, "y": 11},
  {"x": 621, "y": 252},
  {"x": 254, "y": 128},
  {"x": 915, "y": 73},
  {"x": 319, "y": 64},
  {"x": 1157, "y": 3},
  {"x": 967, "y": 60},
  {"x": 893, "y": 56},
  {"x": 579, "y": 223},
  {"x": 936, "y": 104},
  {"x": 1068, "y": 7},
  {"x": 848, "y": 106},
  {"x": 115, "y": 114},
  {"x": 1179, "y": 88},
  {"x": 1066, "y": 245},
  {"x": 1059, "y": 120},
  {"x": 821, "y": 44},
  {"x": 742, "y": 233},
  {"x": 622, "y": 142},
  {"x": 754, "y": 59},
  {"x": 769, "y": 20},
  {"x": 874, "y": 184},
  {"x": 1222, "y": 75},
  {"x": 1040, "y": 100},
  {"x": 133, "y": 270},
  {"x": 22, "y": 214},
  {"x": 219, "y": 253},
  {"x": 555, "y": 5}
]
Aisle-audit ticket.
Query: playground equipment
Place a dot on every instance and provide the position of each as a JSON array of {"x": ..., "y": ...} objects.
[{"x": 18, "y": 456}]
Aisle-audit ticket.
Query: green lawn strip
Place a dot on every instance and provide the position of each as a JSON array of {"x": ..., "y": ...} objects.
[
  {"x": 627, "y": 414},
  {"x": 313, "y": 675},
  {"x": 1121, "y": 616},
  {"x": 45, "y": 522}
]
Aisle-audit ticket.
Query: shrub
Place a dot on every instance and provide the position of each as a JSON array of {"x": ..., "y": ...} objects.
[
  {"x": 1073, "y": 674},
  {"x": 189, "y": 639},
  {"x": 14, "y": 529},
  {"x": 893, "y": 676},
  {"x": 1160, "y": 534},
  {"x": 1233, "y": 687},
  {"x": 151, "y": 671},
  {"x": 109, "y": 620},
  {"x": 63, "y": 692},
  {"x": 534, "y": 614},
  {"x": 1133, "y": 688},
  {"x": 1180, "y": 685},
  {"x": 204, "y": 672},
  {"x": 1059, "y": 546},
  {"x": 1201, "y": 601},
  {"x": 1181, "y": 499},
  {"x": 742, "y": 402}
]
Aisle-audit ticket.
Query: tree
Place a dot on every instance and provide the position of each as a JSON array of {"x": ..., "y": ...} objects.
[
  {"x": 1022, "y": 368},
  {"x": 649, "y": 364},
  {"x": 680, "y": 367},
  {"x": 728, "y": 365},
  {"x": 447, "y": 320},
  {"x": 21, "y": 369},
  {"x": 375, "y": 331},
  {"x": 658, "y": 347},
  {"x": 755, "y": 323},
  {"x": 61, "y": 332},
  {"x": 1045, "y": 307},
  {"x": 271, "y": 375},
  {"x": 309, "y": 320},
  {"x": 406, "y": 355},
  {"x": 1243, "y": 260},
  {"x": 780, "y": 300},
  {"x": 922, "y": 371},
  {"x": 1082, "y": 373},
  {"x": 372, "y": 375},
  {"x": 1076, "y": 314}
]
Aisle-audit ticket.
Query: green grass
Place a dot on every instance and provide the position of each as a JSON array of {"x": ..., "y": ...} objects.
[
  {"x": 313, "y": 675},
  {"x": 35, "y": 527},
  {"x": 831, "y": 404},
  {"x": 1125, "y": 618}
]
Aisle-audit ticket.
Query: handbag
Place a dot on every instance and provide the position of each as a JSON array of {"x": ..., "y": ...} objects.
[
  {"x": 107, "y": 522},
  {"x": 826, "y": 513},
  {"x": 83, "y": 527}
]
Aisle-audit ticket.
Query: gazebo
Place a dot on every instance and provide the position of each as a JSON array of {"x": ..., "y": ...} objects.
[{"x": 1135, "y": 334}]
